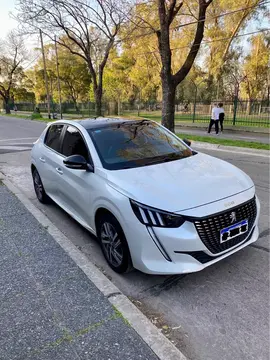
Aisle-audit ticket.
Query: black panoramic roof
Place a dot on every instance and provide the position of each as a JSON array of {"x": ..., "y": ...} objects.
[{"x": 104, "y": 122}]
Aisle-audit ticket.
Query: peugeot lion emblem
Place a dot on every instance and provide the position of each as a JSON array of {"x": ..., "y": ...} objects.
[{"x": 233, "y": 217}]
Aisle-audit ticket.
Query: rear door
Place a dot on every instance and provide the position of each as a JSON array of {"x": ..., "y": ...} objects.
[
  {"x": 50, "y": 160},
  {"x": 76, "y": 185}
]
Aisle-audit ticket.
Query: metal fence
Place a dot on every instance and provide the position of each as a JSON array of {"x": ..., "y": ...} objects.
[
  {"x": 237, "y": 112},
  {"x": 81, "y": 109}
]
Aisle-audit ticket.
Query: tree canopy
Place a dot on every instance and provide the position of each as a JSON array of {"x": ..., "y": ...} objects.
[
  {"x": 12, "y": 56},
  {"x": 134, "y": 52}
]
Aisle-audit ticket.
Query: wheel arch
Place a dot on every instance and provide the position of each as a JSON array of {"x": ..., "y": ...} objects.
[
  {"x": 33, "y": 168},
  {"x": 102, "y": 211}
]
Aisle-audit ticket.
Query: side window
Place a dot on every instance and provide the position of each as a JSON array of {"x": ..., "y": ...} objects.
[
  {"x": 73, "y": 143},
  {"x": 53, "y": 135}
]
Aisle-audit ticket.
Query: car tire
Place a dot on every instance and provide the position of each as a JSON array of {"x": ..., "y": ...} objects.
[
  {"x": 114, "y": 244},
  {"x": 39, "y": 189}
]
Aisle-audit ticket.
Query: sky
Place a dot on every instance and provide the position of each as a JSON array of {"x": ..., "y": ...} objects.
[{"x": 6, "y": 23}]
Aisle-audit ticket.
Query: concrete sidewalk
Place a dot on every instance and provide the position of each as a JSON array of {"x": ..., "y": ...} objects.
[
  {"x": 50, "y": 310},
  {"x": 229, "y": 134}
]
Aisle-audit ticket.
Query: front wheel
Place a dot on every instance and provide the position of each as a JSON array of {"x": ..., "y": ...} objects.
[
  {"x": 113, "y": 244},
  {"x": 39, "y": 189}
]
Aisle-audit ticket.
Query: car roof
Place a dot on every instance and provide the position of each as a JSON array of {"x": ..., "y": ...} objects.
[{"x": 103, "y": 122}]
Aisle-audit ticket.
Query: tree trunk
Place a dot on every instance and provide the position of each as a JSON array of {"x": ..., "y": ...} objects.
[
  {"x": 75, "y": 104},
  {"x": 168, "y": 104},
  {"x": 119, "y": 107},
  {"x": 7, "y": 106},
  {"x": 98, "y": 101},
  {"x": 249, "y": 107}
]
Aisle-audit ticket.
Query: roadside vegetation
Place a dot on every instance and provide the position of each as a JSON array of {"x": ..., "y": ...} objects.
[{"x": 226, "y": 142}]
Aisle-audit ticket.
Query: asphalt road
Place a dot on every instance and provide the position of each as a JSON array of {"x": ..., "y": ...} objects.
[{"x": 219, "y": 313}]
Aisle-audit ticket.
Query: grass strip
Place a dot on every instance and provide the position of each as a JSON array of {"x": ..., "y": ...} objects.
[{"x": 225, "y": 142}]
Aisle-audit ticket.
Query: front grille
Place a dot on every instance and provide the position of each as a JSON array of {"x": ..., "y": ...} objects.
[
  {"x": 209, "y": 228},
  {"x": 204, "y": 258}
]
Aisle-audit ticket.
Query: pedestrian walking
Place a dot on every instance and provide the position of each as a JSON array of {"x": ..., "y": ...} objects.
[
  {"x": 221, "y": 115},
  {"x": 214, "y": 119},
  {"x": 15, "y": 109}
]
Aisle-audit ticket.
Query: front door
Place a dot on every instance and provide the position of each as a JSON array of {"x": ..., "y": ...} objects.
[{"x": 76, "y": 185}]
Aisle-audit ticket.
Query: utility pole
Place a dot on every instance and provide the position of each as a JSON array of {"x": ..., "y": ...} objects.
[
  {"x": 58, "y": 79},
  {"x": 45, "y": 75}
]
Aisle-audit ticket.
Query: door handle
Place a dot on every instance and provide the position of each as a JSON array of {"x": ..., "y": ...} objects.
[
  {"x": 59, "y": 170},
  {"x": 42, "y": 159}
]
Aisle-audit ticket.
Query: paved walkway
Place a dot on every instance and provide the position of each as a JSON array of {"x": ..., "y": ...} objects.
[
  {"x": 227, "y": 134},
  {"x": 49, "y": 309}
]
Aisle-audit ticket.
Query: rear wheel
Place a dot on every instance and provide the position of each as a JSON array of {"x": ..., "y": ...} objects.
[
  {"x": 113, "y": 244},
  {"x": 39, "y": 189}
]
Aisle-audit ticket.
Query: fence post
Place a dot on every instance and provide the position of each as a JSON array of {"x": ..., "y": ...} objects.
[{"x": 194, "y": 107}]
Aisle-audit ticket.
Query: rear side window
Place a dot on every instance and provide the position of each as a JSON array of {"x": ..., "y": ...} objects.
[
  {"x": 53, "y": 135},
  {"x": 73, "y": 143}
]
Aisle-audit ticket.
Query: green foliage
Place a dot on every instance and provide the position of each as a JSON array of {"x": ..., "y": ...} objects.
[
  {"x": 35, "y": 116},
  {"x": 12, "y": 55},
  {"x": 256, "y": 68},
  {"x": 74, "y": 76},
  {"x": 132, "y": 72},
  {"x": 21, "y": 94},
  {"x": 226, "y": 142},
  {"x": 117, "y": 83}
]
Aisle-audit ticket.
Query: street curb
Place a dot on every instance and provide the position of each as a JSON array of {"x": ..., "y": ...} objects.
[
  {"x": 151, "y": 335},
  {"x": 234, "y": 149}
]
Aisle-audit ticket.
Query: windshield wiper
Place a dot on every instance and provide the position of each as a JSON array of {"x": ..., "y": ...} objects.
[{"x": 166, "y": 158}]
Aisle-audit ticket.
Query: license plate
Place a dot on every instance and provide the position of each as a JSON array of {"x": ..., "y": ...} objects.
[{"x": 232, "y": 231}]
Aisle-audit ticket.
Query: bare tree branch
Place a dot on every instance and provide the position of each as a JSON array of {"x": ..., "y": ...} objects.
[
  {"x": 173, "y": 10},
  {"x": 181, "y": 74},
  {"x": 87, "y": 28}
]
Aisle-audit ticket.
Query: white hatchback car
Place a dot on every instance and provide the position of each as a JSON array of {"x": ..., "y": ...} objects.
[{"x": 153, "y": 202}]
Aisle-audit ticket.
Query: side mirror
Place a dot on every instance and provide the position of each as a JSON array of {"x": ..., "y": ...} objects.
[
  {"x": 77, "y": 162},
  {"x": 186, "y": 141}
]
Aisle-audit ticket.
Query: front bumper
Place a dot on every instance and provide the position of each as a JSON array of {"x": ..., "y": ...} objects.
[{"x": 176, "y": 250}]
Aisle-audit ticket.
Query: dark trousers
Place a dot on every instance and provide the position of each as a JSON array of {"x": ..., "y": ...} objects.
[
  {"x": 221, "y": 119},
  {"x": 212, "y": 122},
  {"x": 221, "y": 124}
]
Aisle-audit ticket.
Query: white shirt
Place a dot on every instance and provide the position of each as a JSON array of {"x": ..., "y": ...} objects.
[
  {"x": 221, "y": 110},
  {"x": 215, "y": 113}
]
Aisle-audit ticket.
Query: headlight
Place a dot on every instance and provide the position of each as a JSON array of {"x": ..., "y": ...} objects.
[{"x": 154, "y": 217}]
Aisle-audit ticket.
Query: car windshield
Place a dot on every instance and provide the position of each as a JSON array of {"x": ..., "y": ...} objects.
[{"x": 136, "y": 143}]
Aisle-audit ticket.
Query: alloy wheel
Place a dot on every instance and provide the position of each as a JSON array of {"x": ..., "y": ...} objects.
[
  {"x": 112, "y": 244},
  {"x": 38, "y": 186}
]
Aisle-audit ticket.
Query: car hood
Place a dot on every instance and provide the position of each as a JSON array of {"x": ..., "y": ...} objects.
[{"x": 181, "y": 184}]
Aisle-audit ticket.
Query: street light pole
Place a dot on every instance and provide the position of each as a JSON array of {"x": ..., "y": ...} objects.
[
  {"x": 58, "y": 79},
  {"x": 45, "y": 75}
]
